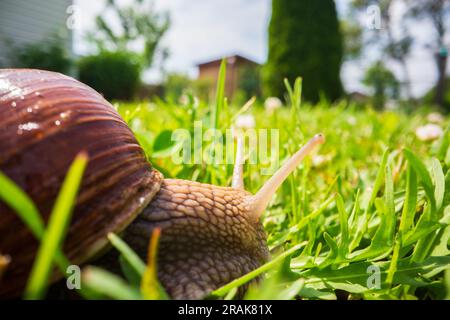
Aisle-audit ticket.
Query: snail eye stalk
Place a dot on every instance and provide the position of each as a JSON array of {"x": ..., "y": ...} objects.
[
  {"x": 238, "y": 171},
  {"x": 259, "y": 202}
]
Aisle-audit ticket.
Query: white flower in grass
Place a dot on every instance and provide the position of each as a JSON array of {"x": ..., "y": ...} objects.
[
  {"x": 435, "y": 117},
  {"x": 319, "y": 160},
  {"x": 272, "y": 103},
  {"x": 391, "y": 105},
  {"x": 245, "y": 121},
  {"x": 184, "y": 99},
  {"x": 429, "y": 132}
]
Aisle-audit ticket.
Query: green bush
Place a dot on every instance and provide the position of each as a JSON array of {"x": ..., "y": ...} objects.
[
  {"x": 175, "y": 85},
  {"x": 383, "y": 83},
  {"x": 49, "y": 54},
  {"x": 249, "y": 81},
  {"x": 305, "y": 41},
  {"x": 116, "y": 75},
  {"x": 429, "y": 97}
]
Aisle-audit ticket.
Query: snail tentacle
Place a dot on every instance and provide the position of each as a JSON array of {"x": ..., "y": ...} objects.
[
  {"x": 238, "y": 171},
  {"x": 259, "y": 202}
]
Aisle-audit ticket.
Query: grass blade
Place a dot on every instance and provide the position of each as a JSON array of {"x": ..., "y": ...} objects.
[
  {"x": 439, "y": 182},
  {"x": 343, "y": 222},
  {"x": 382, "y": 241},
  {"x": 220, "y": 95},
  {"x": 333, "y": 254},
  {"x": 293, "y": 290},
  {"x": 230, "y": 295},
  {"x": 447, "y": 283},
  {"x": 393, "y": 265},
  {"x": 24, "y": 207},
  {"x": 108, "y": 284},
  {"x": 55, "y": 233},
  {"x": 364, "y": 218},
  {"x": 242, "y": 110},
  {"x": 424, "y": 176},
  {"x": 306, "y": 220},
  {"x": 356, "y": 273},
  {"x": 253, "y": 274},
  {"x": 390, "y": 206},
  {"x": 410, "y": 202},
  {"x": 289, "y": 90},
  {"x": 151, "y": 289},
  {"x": 128, "y": 254}
]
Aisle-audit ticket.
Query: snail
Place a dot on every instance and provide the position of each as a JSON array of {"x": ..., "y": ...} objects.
[{"x": 210, "y": 234}]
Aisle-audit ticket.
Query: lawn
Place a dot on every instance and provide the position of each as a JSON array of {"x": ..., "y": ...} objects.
[
  {"x": 365, "y": 217},
  {"x": 374, "y": 200}
]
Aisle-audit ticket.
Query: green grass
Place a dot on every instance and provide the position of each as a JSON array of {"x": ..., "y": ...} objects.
[
  {"x": 57, "y": 227},
  {"x": 379, "y": 201},
  {"x": 52, "y": 238}
]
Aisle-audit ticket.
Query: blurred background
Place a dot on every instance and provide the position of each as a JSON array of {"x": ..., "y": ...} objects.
[
  {"x": 386, "y": 53},
  {"x": 375, "y": 82}
]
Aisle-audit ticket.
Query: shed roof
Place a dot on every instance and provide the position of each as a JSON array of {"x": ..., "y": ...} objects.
[{"x": 230, "y": 58}]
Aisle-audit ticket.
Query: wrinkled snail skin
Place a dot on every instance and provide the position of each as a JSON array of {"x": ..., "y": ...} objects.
[{"x": 210, "y": 235}]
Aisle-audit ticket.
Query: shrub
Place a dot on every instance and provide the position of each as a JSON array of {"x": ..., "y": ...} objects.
[
  {"x": 116, "y": 75},
  {"x": 175, "y": 85},
  {"x": 49, "y": 54},
  {"x": 383, "y": 83},
  {"x": 249, "y": 81},
  {"x": 204, "y": 89}
]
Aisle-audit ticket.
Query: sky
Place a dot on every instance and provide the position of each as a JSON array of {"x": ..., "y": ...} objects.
[{"x": 207, "y": 29}]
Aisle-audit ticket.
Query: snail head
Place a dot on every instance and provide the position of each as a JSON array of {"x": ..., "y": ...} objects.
[{"x": 210, "y": 234}]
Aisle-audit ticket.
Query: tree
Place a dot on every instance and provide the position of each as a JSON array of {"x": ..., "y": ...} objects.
[
  {"x": 383, "y": 84},
  {"x": 139, "y": 23},
  {"x": 391, "y": 46},
  {"x": 304, "y": 40},
  {"x": 438, "y": 13},
  {"x": 430, "y": 97}
]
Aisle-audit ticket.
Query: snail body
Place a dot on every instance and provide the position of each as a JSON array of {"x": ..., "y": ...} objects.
[{"x": 210, "y": 234}]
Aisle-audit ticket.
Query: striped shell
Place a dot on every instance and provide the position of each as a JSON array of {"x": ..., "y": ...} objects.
[{"x": 46, "y": 119}]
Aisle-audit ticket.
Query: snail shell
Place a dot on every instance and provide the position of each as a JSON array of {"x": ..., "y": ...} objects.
[{"x": 46, "y": 119}]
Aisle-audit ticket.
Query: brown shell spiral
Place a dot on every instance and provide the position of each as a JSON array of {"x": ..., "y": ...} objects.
[{"x": 46, "y": 119}]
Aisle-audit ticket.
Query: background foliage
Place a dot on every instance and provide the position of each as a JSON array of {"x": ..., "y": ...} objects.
[
  {"x": 304, "y": 40},
  {"x": 49, "y": 54},
  {"x": 116, "y": 75}
]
